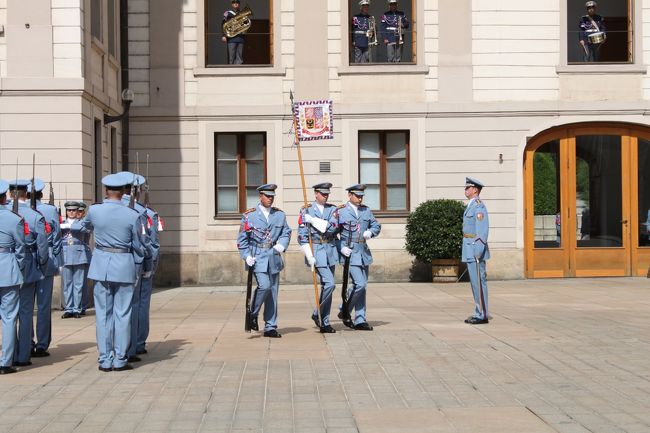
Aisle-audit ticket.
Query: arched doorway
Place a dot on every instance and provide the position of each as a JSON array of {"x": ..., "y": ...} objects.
[{"x": 587, "y": 201}]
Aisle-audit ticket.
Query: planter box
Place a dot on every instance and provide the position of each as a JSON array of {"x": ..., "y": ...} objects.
[{"x": 445, "y": 270}]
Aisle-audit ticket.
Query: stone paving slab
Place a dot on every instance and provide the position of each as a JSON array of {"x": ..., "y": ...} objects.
[{"x": 566, "y": 355}]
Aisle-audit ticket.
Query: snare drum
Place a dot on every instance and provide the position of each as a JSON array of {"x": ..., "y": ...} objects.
[{"x": 596, "y": 38}]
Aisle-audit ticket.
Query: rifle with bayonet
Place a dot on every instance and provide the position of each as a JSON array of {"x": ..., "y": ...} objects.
[
  {"x": 32, "y": 196},
  {"x": 132, "y": 192},
  {"x": 14, "y": 204},
  {"x": 146, "y": 185},
  {"x": 248, "y": 321},
  {"x": 51, "y": 187},
  {"x": 345, "y": 300}
]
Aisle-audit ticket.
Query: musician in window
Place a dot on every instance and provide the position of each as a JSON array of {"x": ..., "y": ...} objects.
[
  {"x": 361, "y": 32},
  {"x": 393, "y": 24},
  {"x": 592, "y": 33},
  {"x": 235, "y": 43}
]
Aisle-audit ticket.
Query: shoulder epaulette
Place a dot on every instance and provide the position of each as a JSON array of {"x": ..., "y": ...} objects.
[
  {"x": 304, "y": 206},
  {"x": 276, "y": 208},
  {"x": 341, "y": 206},
  {"x": 249, "y": 210},
  {"x": 328, "y": 205},
  {"x": 478, "y": 201}
]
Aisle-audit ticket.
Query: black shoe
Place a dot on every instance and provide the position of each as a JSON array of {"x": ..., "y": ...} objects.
[
  {"x": 22, "y": 364},
  {"x": 76, "y": 315},
  {"x": 141, "y": 352},
  {"x": 7, "y": 370},
  {"x": 123, "y": 368},
  {"x": 105, "y": 369},
  {"x": 66, "y": 315},
  {"x": 254, "y": 325},
  {"x": 327, "y": 329},
  {"x": 476, "y": 321},
  {"x": 39, "y": 352},
  {"x": 346, "y": 322},
  {"x": 83, "y": 313},
  {"x": 363, "y": 326},
  {"x": 272, "y": 334},
  {"x": 314, "y": 317},
  {"x": 134, "y": 359}
]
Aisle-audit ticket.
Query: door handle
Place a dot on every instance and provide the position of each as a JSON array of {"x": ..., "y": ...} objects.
[{"x": 623, "y": 221}]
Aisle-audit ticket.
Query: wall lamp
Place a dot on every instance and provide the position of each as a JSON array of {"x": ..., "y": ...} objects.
[{"x": 127, "y": 97}]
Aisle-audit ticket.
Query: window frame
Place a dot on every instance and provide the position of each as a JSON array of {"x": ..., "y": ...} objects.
[
  {"x": 635, "y": 66},
  {"x": 383, "y": 186},
  {"x": 100, "y": 8},
  {"x": 241, "y": 170},
  {"x": 204, "y": 67}
]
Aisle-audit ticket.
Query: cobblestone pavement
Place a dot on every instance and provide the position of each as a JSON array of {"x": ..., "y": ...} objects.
[{"x": 559, "y": 355}]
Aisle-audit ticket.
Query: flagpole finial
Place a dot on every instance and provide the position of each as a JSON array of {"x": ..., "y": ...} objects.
[{"x": 291, "y": 95}]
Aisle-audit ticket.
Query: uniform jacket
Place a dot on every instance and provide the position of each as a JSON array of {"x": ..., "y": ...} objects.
[
  {"x": 38, "y": 249},
  {"x": 351, "y": 229},
  {"x": 257, "y": 237},
  {"x": 146, "y": 239},
  {"x": 114, "y": 226},
  {"x": 587, "y": 26},
  {"x": 326, "y": 254},
  {"x": 75, "y": 244},
  {"x": 51, "y": 214},
  {"x": 389, "y": 22},
  {"x": 476, "y": 226},
  {"x": 227, "y": 16},
  {"x": 153, "y": 225},
  {"x": 12, "y": 236},
  {"x": 360, "y": 27}
]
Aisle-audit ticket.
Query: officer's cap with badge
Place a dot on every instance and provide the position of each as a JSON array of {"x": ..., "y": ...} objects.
[
  {"x": 364, "y": 3},
  {"x": 116, "y": 181},
  {"x": 267, "y": 189},
  {"x": 392, "y": 1},
  {"x": 71, "y": 205},
  {"x": 357, "y": 189},
  {"x": 39, "y": 185},
  {"x": 323, "y": 188},
  {"x": 132, "y": 178},
  {"x": 21, "y": 184},
  {"x": 82, "y": 205},
  {"x": 591, "y": 4},
  {"x": 4, "y": 187},
  {"x": 470, "y": 181}
]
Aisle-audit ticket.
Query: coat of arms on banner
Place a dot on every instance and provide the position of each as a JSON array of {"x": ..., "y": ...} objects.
[{"x": 314, "y": 120}]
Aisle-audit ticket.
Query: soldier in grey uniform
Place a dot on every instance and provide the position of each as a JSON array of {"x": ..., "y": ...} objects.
[
  {"x": 119, "y": 252},
  {"x": 75, "y": 262},
  {"x": 321, "y": 219},
  {"x": 85, "y": 292},
  {"x": 357, "y": 225},
  {"x": 263, "y": 236},
  {"x": 12, "y": 263},
  {"x": 37, "y": 257},
  {"x": 154, "y": 226},
  {"x": 476, "y": 227},
  {"x": 44, "y": 285}
]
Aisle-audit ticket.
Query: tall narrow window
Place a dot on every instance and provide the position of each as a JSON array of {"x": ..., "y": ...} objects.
[
  {"x": 112, "y": 31},
  {"x": 546, "y": 172},
  {"x": 248, "y": 38},
  {"x": 99, "y": 191},
  {"x": 383, "y": 167},
  {"x": 240, "y": 169},
  {"x": 600, "y": 31},
  {"x": 381, "y": 32},
  {"x": 96, "y": 19}
]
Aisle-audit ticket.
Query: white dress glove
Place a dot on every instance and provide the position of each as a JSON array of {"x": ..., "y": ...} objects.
[
  {"x": 367, "y": 234},
  {"x": 250, "y": 261},
  {"x": 146, "y": 275},
  {"x": 311, "y": 260},
  {"x": 279, "y": 248},
  {"x": 308, "y": 218},
  {"x": 346, "y": 251},
  {"x": 65, "y": 226}
]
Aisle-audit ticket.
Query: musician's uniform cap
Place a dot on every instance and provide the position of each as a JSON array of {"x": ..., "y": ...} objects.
[
  {"x": 38, "y": 185},
  {"x": 323, "y": 187},
  {"x": 470, "y": 181},
  {"x": 71, "y": 205},
  {"x": 267, "y": 189},
  {"x": 591, "y": 4},
  {"x": 4, "y": 186},
  {"x": 19, "y": 184},
  {"x": 357, "y": 189},
  {"x": 364, "y": 2},
  {"x": 82, "y": 205},
  {"x": 116, "y": 180},
  {"x": 235, "y": 1},
  {"x": 392, "y": 1}
]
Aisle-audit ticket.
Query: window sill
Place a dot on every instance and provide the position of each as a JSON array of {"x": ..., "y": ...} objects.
[
  {"x": 601, "y": 68},
  {"x": 394, "y": 217},
  {"x": 231, "y": 217},
  {"x": 403, "y": 69},
  {"x": 239, "y": 71}
]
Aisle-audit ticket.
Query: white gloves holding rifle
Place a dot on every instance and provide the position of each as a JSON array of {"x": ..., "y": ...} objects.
[
  {"x": 311, "y": 260},
  {"x": 250, "y": 261},
  {"x": 346, "y": 251},
  {"x": 317, "y": 223}
]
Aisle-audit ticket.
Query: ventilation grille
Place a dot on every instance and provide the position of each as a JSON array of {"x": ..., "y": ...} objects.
[{"x": 324, "y": 167}]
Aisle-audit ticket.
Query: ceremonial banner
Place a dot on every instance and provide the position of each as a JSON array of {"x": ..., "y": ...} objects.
[{"x": 314, "y": 120}]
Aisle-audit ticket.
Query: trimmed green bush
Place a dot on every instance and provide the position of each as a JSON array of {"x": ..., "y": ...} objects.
[{"x": 434, "y": 230}]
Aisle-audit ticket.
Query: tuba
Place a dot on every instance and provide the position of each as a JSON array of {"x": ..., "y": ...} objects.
[
  {"x": 371, "y": 34},
  {"x": 240, "y": 23}
]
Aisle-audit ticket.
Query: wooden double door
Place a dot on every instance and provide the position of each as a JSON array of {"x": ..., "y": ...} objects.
[{"x": 587, "y": 202}]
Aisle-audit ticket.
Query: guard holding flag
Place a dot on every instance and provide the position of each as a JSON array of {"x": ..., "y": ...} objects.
[
  {"x": 476, "y": 227},
  {"x": 263, "y": 236},
  {"x": 320, "y": 219}
]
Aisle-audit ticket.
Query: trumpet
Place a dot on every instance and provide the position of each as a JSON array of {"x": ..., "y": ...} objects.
[
  {"x": 238, "y": 24},
  {"x": 371, "y": 34},
  {"x": 400, "y": 30}
]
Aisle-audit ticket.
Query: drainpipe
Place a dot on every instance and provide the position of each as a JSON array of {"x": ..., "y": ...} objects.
[{"x": 124, "y": 63}]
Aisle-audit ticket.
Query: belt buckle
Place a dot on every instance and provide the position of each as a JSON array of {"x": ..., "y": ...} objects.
[{"x": 70, "y": 242}]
